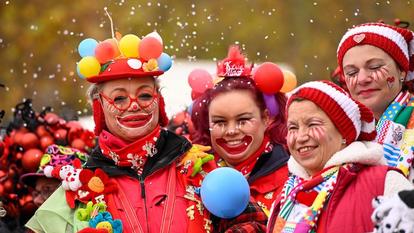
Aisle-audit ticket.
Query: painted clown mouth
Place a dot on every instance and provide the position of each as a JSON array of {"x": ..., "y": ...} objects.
[
  {"x": 235, "y": 146},
  {"x": 135, "y": 121}
]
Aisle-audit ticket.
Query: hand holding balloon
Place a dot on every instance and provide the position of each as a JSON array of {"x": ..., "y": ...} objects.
[{"x": 225, "y": 192}]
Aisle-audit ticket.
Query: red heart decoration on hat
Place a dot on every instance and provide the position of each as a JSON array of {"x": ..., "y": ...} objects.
[{"x": 359, "y": 38}]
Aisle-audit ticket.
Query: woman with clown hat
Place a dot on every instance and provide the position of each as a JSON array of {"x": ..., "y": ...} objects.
[
  {"x": 140, "y": 177},
  {"x": 242, "y": 118}
]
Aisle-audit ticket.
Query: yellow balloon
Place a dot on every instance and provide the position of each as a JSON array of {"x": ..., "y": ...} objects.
[
  {"x": 89, "y": 66},
  {"x": 129, "y": 45},
  {"x": 290, "y": 81}
]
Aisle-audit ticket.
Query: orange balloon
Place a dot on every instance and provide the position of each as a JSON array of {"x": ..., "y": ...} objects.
[
  {"x": 115, "y": 46},
  {"x": 290, "y": 81}
]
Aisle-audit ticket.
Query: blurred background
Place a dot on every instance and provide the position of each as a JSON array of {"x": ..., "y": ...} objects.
[{"x": 39, "y": 39}]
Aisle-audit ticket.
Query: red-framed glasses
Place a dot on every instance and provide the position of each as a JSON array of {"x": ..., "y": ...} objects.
[{"x": 122, "y": 101}]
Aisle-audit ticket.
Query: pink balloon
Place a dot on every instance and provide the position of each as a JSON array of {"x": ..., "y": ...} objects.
[
  {"x": 150, "y": 47},
  {"x": 268, "y": 78},
  {"x": 104, "y": 52},
  {"x": 200, "y": 80}
]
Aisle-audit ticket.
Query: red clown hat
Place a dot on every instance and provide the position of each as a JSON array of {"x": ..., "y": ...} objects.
[{"x": 122, "y": 57}]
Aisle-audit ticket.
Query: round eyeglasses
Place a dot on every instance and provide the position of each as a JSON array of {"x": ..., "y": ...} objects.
[{"x": 123, "y": 101}]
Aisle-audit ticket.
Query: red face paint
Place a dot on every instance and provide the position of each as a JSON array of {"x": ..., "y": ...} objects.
[
  {"x": 318, "y": 133},
  {"x": 291, "y": 137}
]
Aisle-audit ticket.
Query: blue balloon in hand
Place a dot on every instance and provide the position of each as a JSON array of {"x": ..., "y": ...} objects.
[
  {"x": 87, "y": 47},
  {"x": 225, "y": 192}
]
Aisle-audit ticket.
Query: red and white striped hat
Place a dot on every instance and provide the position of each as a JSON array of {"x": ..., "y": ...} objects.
[
  {"x": 395, "y": 41},
  {"x": 353, "y": 120}
]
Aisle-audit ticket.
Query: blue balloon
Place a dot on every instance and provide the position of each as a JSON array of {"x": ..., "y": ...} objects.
[
  {"x": 225, "y": 192},
  {"x": 164, "y": 62},
  {"x": 87, "y": 47}
]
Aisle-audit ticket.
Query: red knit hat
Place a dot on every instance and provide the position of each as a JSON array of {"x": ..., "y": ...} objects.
[
  {"x": 354, "y": 121},
  {"x": 117, "y": 58},
  {"x": 395, "y": 41}
]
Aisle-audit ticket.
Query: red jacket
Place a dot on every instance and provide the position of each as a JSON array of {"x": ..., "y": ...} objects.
[
  {"x": 160, "y": 200},
  {"x": 349, "y": 208},
  {"x": 265, "y": 189},
  {"x": 268, "y": 177},
  {"x": 143, "y": 212}
]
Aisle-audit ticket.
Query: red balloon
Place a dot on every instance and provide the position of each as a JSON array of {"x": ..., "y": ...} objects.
[
  {"x": 60, "y": 134},
  {"x": 115, "y": 47},
  {"x": 104, "y": 52},
  {"x": 268, "y": 78},
  {"x": 51, "y": 118},
  {"x": 74, "y": 125},
  {"x": 18, "y": 136},
  {"x": 29, "y": 140},
  {"x": 18, "y": 155},
  {"x": 78, "y": 144},
  {"x": 200, "y": 80},
  {"x": 46, "y": 141},
  {"x": 8, "y": 186},
  {"x": 31, "y": 160},
  {"x": 41, "y": 131},
  {"x": 149, "y": 47}
]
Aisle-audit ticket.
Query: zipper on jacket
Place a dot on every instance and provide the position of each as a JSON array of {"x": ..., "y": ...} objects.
[{"x": 141, "y": 181}]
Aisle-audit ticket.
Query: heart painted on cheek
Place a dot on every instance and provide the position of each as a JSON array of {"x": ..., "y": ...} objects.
[{"x": 390, "y": 81}]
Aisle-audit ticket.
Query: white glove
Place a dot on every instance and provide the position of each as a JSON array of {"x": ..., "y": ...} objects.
[{"x": 394, "y": 214}]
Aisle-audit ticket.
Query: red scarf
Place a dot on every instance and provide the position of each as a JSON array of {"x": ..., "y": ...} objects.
[
  {"x": 132, "y": 155},
  {"x": 247, "y": 165}
]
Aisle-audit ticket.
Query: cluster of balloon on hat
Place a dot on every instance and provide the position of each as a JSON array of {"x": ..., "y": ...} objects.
[
  {"x": 268, "y": 76},
  {"x": 95, "y": 53}
]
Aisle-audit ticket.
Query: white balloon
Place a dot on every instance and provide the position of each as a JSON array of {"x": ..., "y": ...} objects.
[{"x": 155, "y": 35}]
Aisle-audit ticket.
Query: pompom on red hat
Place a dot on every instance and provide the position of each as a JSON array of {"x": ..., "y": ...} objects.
[
  {"x": 234, "y": 65},
  {"x": 395, "y": 41},
  {"x": 117, "y": 58},
  {"x": 354, "y": 121}
]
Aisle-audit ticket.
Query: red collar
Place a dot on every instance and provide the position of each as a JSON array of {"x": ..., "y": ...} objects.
[{"x": 132, "y": 155}]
